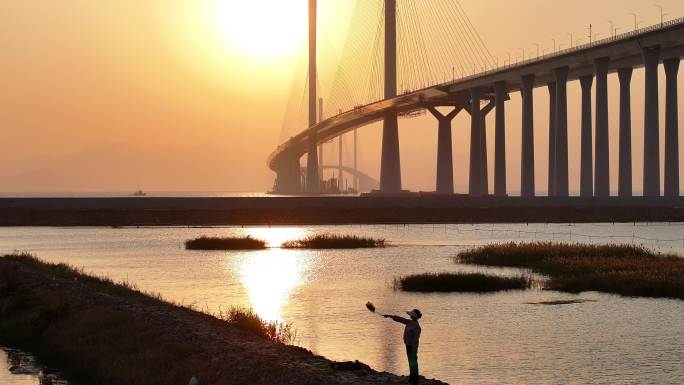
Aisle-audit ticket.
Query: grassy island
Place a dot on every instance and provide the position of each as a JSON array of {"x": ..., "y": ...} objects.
[
  {"x": 618, "y": 269},
  {"x": 332, "y": 241},
  {"x": 98, "y": 332},
  {"x": 227, "y": 243},
  {"x": 460, "y": 282}
]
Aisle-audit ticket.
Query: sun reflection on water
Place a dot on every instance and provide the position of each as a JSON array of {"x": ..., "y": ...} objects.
[
  {"x": 275, "y": 236},
  {"x": 270, "y": 277}
]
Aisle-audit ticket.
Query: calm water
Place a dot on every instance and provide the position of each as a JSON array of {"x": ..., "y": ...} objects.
[
  {"x": 7, "y": 378},
  {"x": 467, "y": 339},
  {"x": 20, "y": 368}
]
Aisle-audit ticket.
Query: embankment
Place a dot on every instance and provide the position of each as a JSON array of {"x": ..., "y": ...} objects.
[
  {"x": 315, "y": 210},
  {"x": 99, "y": 332}
]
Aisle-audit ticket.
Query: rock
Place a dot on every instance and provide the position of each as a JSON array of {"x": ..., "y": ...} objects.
[{"x": 349, "y": 365}]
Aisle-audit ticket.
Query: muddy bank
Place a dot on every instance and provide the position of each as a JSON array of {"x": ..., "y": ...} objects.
[
  {"x": 332, "y": 210},
  {"x": 98, "y": 332}
]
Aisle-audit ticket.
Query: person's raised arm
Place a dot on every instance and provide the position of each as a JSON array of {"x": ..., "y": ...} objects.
[{"x": 397, "y": 318}]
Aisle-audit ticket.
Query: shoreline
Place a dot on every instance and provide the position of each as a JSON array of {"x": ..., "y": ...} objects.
[
  {"x": 316, "y": 210},
  {"x": 95, "y": 331}
]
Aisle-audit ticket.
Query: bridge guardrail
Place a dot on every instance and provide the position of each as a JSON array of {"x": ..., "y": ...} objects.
[{"x": 577, "y": 48}]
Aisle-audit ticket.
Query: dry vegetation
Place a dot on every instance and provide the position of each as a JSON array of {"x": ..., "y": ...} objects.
[
  {"x": 228, "y": 243},
  {"x": 460, "y": 282},
  {"x": 619, "y": 269},
  {"x": 332, "y": 241},
  {"x": 247, "y": 319}
]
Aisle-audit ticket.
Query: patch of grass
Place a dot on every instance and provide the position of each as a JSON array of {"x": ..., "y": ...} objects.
[
  {"x": 248, "y": 320},
  {"x": 332, "y": 241},
  {"x": 460, "y": 282},
  {"x": 227, "y": 243},
  {"x": 619, "y": 269}
]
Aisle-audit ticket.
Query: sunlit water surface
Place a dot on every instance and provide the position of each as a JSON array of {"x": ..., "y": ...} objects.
[
  {"x": 467, "y": 338},
  {"x": 20, "y": 368},
  {"x": 7, "y": 378}
]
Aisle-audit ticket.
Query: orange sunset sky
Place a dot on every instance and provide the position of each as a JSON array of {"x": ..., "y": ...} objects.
[{"x": 190, "y": 95}]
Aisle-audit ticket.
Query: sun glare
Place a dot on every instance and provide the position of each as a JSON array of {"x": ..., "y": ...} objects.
[
  {"x": 270, "y": 277},
  {"x": 260, "y": 29}
]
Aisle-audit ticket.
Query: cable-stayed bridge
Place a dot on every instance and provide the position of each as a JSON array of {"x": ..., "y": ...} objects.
[{"x": 426, "y": 54}]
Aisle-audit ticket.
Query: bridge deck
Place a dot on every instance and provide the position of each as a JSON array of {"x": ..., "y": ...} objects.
[{"x": 624, "y": 50}]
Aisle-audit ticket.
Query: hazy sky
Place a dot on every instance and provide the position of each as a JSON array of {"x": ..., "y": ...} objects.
[{"x": 188, "y": 95}]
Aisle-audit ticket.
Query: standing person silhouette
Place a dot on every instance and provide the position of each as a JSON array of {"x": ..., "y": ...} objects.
[{"x": 411, "y": 339}]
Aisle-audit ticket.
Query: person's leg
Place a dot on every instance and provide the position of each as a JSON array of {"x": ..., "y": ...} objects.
[
  {"x": 412, "y": 355},
  {"x": 414, "y": 369}
]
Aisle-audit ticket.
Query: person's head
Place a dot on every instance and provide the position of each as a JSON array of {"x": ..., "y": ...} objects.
[{"x": 415, "y": 314}]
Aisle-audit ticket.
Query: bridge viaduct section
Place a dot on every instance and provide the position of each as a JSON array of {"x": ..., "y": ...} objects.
[{"x": 590, "y": 64}]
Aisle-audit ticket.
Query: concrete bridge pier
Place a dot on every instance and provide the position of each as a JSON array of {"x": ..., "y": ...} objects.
[
  {"x": 313, "y": 179},
  {"x": 651, "y": 124},
  {"x": 671, "y": 128},
  {"x": 586, "y": 140},
  {"x": 625, "y": 156},
  {"x": 527, "y": 164},
  {"x": 475, "y": 175},
  {"x": 390, "y": 164},
  {"x": 561, "y": 187},
  {"x": 552, "y": 139},
  {"x": 602, "y": 165},
  {"x": 445, "y": 160},
  {"x": 289, "y": 177},
  {"x": 500, "y": 140},
  {"x": 484, "y": 164}
]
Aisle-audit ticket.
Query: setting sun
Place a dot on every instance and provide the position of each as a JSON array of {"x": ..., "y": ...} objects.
[{"x": 261, "y": 29}]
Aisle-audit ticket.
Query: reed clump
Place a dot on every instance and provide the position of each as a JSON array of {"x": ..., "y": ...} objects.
[
  {"x": 460, "y": 282},
  {"x": 628, "y": 270},
  {"x": 248, "y": 320},
  {"x": 225, "y": 243},
  {"x": 332, "y": 241}
]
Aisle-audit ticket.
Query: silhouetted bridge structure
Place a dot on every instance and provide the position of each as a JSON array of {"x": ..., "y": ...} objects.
[{"x": 488, "y": 91}]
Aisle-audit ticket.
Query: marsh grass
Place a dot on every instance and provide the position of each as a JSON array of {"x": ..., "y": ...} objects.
[
  {"x": 619, "y": 269},
  {"x": 332, "y": 241},
  {"x": 460, "y": 282},
  {"x": 248, "y": 320},
  {"x": 227, "y": 243}
]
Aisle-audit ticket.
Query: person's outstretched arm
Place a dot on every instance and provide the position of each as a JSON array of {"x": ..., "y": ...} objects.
[{"x": 397, "y": 319}]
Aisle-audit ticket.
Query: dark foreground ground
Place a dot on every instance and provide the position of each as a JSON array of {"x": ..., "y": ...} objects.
[
  {"x": 97, "y": 332},
  {"x": 331, "y": 210}
]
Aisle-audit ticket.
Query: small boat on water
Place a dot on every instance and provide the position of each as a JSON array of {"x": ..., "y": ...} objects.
[{"x": 139, "y": 193}]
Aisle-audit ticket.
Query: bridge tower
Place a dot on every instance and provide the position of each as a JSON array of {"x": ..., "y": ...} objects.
[
  {"x": 312, "y": 170},
  {"x": 390, "y": 166}
]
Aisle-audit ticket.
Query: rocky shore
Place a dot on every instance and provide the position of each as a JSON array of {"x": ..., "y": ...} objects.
[{"x": 98, "y": 332}]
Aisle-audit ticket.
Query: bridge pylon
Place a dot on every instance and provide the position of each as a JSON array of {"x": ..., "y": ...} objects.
[
  {"x": 313, "y": 179},
  {"x": 390, "y": 164}
]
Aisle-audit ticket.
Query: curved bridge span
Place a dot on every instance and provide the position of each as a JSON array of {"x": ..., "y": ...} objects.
[{"x": 589, "y": 63}]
